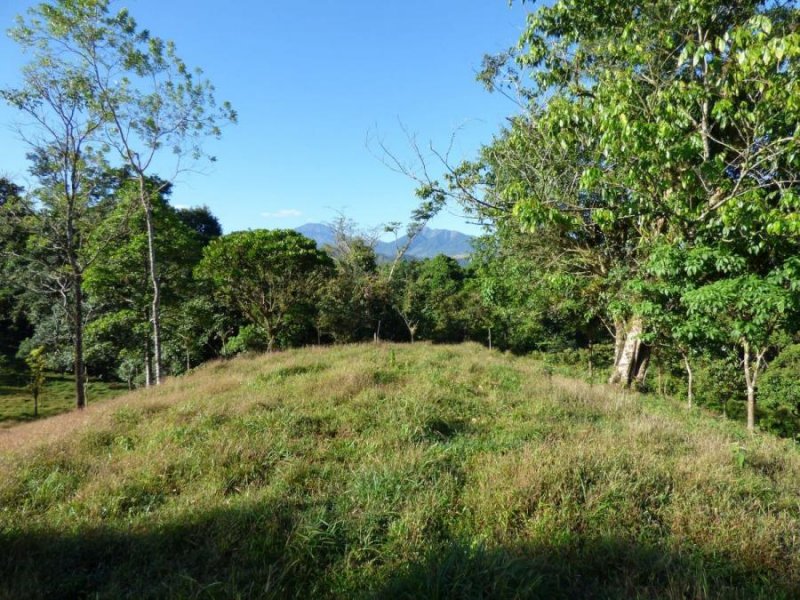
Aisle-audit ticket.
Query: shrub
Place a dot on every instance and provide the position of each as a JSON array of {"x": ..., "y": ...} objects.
[{"x": 779, "y": 394}]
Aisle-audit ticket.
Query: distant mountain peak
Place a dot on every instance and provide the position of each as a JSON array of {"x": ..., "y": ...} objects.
[{"x": 429, "y": 243}]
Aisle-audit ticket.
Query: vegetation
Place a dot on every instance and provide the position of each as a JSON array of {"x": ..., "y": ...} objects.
[
  {"x": 395, "y": 471},
  {"x": 642, "y": 207},
  {"x": 56, "y": 396},
  {"x": 641, "y": 228}
]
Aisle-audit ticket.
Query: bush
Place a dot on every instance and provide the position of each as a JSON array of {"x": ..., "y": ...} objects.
[
  {"x": 250, "y": 338},
  {"x": 779, "y": 394}
]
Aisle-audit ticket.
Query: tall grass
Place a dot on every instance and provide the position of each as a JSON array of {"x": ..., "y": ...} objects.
[{"x": 395, "y": 471}]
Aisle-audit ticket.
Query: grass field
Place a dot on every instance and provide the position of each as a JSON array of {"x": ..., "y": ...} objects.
[
  {"x": 16, "y": 402},
  {"x": 394, "y": 472}
]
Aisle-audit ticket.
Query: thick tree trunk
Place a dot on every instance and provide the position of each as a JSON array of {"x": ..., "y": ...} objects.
[{"x": 632, "y": 355}]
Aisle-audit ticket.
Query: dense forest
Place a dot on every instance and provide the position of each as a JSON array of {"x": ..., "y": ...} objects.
[{"x": 640, "y": 211}]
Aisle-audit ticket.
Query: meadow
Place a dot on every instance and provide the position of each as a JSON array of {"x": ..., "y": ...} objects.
[
  {"x": 395, "y": 471},
  {"x": 58, "y": 396}
]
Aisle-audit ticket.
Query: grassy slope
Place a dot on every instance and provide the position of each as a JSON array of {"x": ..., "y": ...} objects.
[{"x": 395, "y": 471}]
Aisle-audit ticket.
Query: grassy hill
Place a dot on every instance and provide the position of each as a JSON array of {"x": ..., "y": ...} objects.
[{"x": 394, "y": 472}]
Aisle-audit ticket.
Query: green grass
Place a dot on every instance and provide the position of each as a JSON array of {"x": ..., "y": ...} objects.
[
  {"x": 397, "y": 472},
  {"x": 16, "y": 402}
]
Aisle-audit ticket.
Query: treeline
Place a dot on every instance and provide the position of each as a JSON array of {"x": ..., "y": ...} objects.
[
  {"x": 649, "y": 191},
  {"x": 641, "y": 210},
  {"x": 257, "y": 290}
]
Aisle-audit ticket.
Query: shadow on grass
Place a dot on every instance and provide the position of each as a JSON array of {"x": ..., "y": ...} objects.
[
  {"x": 267, "y": 552},
  {"x": 608, "y": 568}
]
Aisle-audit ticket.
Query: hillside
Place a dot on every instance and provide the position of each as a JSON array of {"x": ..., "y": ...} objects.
[
  {"x": 429, "y": 243},
  {"x": 394, "y": 472}
]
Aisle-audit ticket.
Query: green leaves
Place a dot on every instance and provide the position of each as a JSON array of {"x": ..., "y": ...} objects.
[{"x": 270, "y": 275}]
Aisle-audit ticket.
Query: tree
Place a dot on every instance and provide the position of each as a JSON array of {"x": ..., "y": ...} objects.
[
  {"x": 13, "y": 325},
  {"x": 406, "y": 295},
  {"x": 271, "y": 276},
  {"x": 37, "y": 364},
  {"x": 440, "y": 281},
  {"x": 648, "y": 124},
  {"x": 140, "y": 94},
  {"x": 202, "y": 221},
  {"x": 749, "y": 313},
  {"x": 353, "y": 300},
  {"x": 118, "y": 283},
  {"x": 63, "y": 137}
]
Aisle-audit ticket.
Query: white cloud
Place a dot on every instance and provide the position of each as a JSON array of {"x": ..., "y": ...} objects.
[
  {"x": 181, "y": 206},
  {"x": 284, "y": 213}
]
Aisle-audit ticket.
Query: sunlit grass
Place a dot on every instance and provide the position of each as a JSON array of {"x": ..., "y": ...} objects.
[
  {"x": 58, "y": 396},
  {"x": 395, "y": 471}
]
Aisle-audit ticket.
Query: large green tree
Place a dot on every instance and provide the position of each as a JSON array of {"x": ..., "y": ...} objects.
[
  {"x": 649, "y": 123},
  {"x": 118, "y": 282},
  {"x": 272, "y": 276}
]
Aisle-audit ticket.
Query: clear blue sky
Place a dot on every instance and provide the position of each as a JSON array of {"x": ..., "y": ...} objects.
[{"x": 310, "y": 81}]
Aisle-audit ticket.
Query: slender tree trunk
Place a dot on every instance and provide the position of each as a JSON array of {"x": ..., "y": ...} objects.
[
  {"x": 36, "y": 404},
  {"x": 152, "y": 264},
  {"x": 148, "y": 364},
  {"x": 751, "y": 390},
  {"x": 80, "y": 389},
  {"x": 690, "y": 378},
  {"x": 751, "y": 380}
]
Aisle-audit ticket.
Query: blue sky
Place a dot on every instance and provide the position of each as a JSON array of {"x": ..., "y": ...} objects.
[{"x": 311, "y": 81}]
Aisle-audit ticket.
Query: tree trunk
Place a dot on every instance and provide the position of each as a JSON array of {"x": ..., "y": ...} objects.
[
  {"x": 641, "y": 365},
  {"x": 751, "y": 390},
  {"x": 690, "y": 375},
  {"x": 751, "y": 380},
  {"x": 751, "y": 408},
  {"x": 148, "y": 364},
  {"x": 632, "y": 355},
  {"x": 80, "y": 390},
  {"x": 155, "y": 307}
]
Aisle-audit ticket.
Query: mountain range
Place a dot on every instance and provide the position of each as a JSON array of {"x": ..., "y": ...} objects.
[{"x": 429, "y": 243}]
